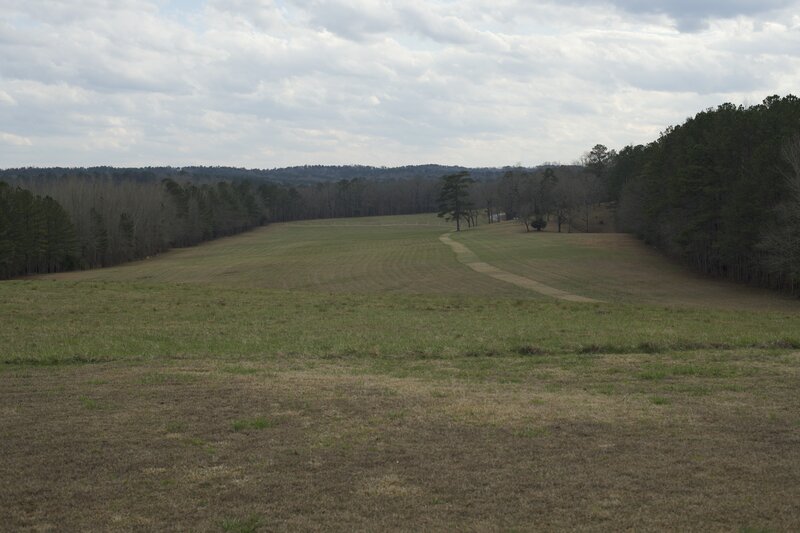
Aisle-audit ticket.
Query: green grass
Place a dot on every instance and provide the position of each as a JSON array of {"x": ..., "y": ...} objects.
[
  {"x": 89, "y": 403},
  {"x": 370, "y": 255},
  {"x": 175, "y": 427},
  {"x": 56, "y": 322},
  {"x": 250, "y": 524},
  {"x": 240, "y": 370},
  {"x": 385, "y": 287},
  {"x": 659, "y": 400},
  {"x": 251, "y": 423}
]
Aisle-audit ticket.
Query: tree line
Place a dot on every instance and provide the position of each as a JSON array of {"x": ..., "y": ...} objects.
[
  {"x": 53, "y": 221},
  {"x": 720, "y": 192},
  {"x": 562, "y": 195},
  {"x": 289, "y": 176}
]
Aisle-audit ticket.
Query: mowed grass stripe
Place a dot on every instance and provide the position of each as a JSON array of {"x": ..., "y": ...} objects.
[
  {"x": 337, "y": 257},
  {"x": 403, "y": 254}
]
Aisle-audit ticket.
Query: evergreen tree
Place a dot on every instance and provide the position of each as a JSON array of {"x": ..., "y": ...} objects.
[{"x": 454, "y": 202}]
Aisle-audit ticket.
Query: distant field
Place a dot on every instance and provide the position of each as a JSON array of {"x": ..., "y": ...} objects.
[
  {"x": 359, "y": 374},
  {"x": 374, "y": 255},
  {"x": 404, "y": 254}
]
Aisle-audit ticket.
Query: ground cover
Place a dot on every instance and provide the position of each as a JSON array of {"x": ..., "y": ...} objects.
[
  {"x": 314, "y": 376},
  {"x": 368, "y": 255},
  {"x": 614, "y": 267},
  {"x": 705, "y": 440},
  {"x": 52, "y": 322}
]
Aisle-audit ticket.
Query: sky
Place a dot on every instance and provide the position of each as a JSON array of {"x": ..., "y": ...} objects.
[{"x": 273, "y": 83}]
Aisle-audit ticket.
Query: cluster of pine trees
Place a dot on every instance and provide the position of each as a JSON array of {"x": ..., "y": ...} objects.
[
  {"x": 55, "y": 225},
  {"x": 721, "y": 192},
  {"x": 36, "y": 234}
]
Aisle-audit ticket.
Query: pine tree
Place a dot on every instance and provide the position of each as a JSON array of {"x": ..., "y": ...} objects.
[{"x": 454, "y": 202}]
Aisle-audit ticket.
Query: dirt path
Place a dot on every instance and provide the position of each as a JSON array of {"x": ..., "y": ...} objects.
[{"x": 468, "y": 257}]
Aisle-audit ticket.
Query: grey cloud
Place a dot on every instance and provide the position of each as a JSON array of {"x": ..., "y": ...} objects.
[
  {"x": 705, "y": 8},
  {"x": 694, "y": 15},
  {"x": 365, "y": 19},
  {"x": 351, "y": 20}
]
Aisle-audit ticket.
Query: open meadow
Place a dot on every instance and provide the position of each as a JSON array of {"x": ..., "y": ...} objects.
[{"x": 385, "y": 373}]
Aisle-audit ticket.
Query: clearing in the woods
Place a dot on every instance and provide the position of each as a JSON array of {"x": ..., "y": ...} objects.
[{"x": 369, "y": 374}]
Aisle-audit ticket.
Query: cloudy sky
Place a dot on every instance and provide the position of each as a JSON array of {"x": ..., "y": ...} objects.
[{"x": 269, "y": 83}]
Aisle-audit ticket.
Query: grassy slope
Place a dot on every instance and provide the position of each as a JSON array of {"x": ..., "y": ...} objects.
[
  {"x": 613, "y": 267},
  {"x": 52, "y": 322},
  {"x": 385, "y": 286},
  {"x": 375, "y": 255},
  {"x": 354, "y": 375}
]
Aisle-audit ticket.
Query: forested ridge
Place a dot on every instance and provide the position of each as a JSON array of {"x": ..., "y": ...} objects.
[
  {"x": 720, "y": 192},
  {"x": 291, "y": 176}
]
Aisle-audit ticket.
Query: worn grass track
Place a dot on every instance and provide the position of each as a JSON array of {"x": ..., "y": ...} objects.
[
  {"x": 354, "y": 375},
  {"x": 468, "y": 257},
  {"x": 612, "y": 267}
]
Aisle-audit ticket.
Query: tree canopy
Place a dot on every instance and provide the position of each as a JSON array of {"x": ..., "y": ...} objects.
[{"x": 714, "y": 191}]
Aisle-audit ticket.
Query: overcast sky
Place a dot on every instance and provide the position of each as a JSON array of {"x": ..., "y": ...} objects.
[{"x": 269, "y": 83}]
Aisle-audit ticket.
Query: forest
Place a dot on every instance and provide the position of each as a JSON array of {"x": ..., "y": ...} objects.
[
  {"x": 720, "y": 193},
  {"x": 61, "y": 219},
  {"x": 53, "y": 221}
]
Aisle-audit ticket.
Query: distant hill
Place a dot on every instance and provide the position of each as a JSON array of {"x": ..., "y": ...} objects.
[{"x": 299, "y": 175}]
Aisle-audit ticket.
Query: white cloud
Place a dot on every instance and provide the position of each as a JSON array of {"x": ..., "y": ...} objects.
[
  {"x": 278, "y": 82},
  {"x": 16, "y": 140}
]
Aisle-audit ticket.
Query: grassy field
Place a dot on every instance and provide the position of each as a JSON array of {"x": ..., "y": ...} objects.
[{"x": 357, "y": 374}]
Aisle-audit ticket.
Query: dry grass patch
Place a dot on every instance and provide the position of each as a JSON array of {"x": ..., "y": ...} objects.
[
  {"x": 351, "y": 446},
  {"x": 389, "y": 485}
]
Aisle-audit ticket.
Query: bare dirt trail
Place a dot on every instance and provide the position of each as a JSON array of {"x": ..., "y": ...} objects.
[{"x": 468, "y": 257}]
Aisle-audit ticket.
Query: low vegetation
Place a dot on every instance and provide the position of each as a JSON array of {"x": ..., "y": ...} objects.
[{"x": 353, "y": 374}]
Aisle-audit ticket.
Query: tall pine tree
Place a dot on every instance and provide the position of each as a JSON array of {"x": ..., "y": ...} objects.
[{"x": 454, "y": 202}]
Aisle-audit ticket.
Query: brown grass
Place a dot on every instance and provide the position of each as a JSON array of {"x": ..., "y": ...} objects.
[{"x": 350, "y": 447}]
